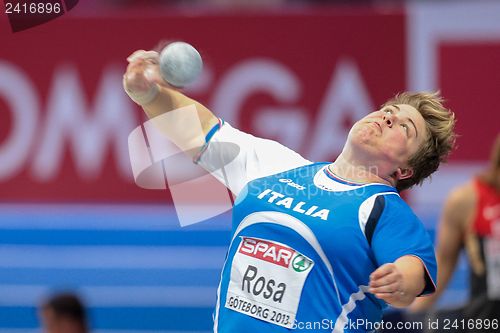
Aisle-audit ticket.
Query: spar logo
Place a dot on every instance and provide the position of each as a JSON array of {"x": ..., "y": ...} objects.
[
  {"x": 301, "y": 263},
  {"x": 274, "y": 253}
]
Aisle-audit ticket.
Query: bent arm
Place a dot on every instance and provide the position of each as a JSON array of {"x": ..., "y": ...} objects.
[
  {"x": 457, "y": 210},
  {"x": 399, "y": 283},
  {"x": 401, "y": 243},
  {"x": 413, "y": 280}
]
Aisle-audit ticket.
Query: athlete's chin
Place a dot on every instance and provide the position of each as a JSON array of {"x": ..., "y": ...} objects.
[
  {"x": 375, "y": 149},
  {"x": 363, "y": 139}
]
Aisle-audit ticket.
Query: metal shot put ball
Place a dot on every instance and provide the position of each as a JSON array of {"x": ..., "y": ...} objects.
[{"x": 180, "y": 64}]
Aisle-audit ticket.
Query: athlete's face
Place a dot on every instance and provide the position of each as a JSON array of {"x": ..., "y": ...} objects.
[{"x": 392, "y": 134}]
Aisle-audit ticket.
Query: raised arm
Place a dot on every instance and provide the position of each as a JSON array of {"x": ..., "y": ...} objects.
[
  {"x": 232, "y": 156},
  {"x": 144, "y": 85}
]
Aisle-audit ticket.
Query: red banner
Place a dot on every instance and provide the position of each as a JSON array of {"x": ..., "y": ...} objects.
[
  {"x": 302, "y": 79},
  {"x": 470, "y": 77}
]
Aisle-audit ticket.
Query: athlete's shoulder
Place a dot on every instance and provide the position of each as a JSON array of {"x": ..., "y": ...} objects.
[
  {"x": 463, "y": 197},
  {"x": 460, "y": 205},
  {"x": 396, "y": 207}
]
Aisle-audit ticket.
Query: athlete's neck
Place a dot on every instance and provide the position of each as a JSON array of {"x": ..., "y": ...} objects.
[{"x": 353, "y": 170}]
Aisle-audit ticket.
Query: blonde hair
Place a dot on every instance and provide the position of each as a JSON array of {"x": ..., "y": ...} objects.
[{"x": 440, "y": 125}]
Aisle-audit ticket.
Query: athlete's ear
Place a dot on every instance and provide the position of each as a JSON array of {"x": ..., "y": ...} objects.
[{"x": 400, "y": 173}]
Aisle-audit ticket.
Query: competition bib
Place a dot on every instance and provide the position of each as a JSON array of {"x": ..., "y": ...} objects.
[
  {"x": 492, "y": 258},
  {"x": 267, "y": 280}
]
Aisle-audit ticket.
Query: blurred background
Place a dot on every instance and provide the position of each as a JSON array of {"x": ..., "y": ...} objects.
[{"x": 300, "y": 72}]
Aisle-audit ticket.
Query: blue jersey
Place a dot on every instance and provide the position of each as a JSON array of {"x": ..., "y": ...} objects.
[{"x": 303, "y": 246}]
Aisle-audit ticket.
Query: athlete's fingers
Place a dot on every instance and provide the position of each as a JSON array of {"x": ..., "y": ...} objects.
[
  {"x": 135, "y": 81},
  {"x": 143, "y": 67},
  {"x": 142, "y": 54},
  {"x": 142, "y": 80},
  {"x": 147, "y": 63},
  {"x": 135, "y": 55},
  {"x": 384, "y": 280},
  {"x": 136, "y": 66},
  {"x": 388, "y": 288},
  {"x": 390, "y": 297},
  {"x": 140, "y": 63},
  {"x": 382, "y": 271},
  {"x": 138, "y": 85}
]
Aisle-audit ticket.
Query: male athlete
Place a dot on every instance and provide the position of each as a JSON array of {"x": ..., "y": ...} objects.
[
  {"x": 471, "y": 221},
  {"x": 316, "y": 246}
]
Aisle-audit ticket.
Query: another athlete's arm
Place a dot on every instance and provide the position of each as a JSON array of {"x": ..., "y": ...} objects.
[
  {"x": 400, "y": 282},
  {"x": 452, "y": 228}
]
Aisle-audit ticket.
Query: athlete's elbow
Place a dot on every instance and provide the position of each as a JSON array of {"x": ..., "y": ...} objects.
[{"x": 403, "y": 302}]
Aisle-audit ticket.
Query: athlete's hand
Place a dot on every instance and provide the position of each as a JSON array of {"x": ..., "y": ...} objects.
[
  {"x": 386, "y": 283},
  {"x": 142, "y": 78}
]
